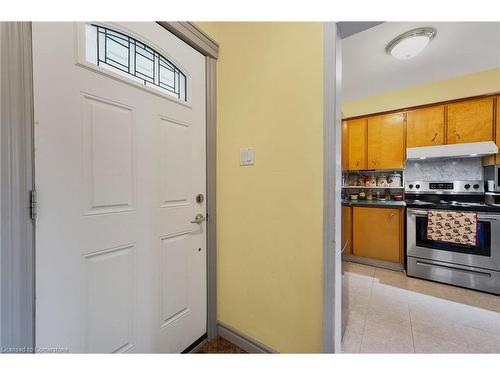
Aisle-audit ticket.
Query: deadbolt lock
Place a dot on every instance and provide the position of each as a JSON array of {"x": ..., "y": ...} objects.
[{"x": 200, "y": 198}]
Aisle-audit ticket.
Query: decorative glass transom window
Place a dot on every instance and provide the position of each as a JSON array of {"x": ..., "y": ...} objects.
[{"x": 127, "y": 56}]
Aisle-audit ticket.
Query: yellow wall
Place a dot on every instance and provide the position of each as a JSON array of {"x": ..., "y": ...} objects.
[
  {"x": 270, "y": 96},
  {"x": 484, "y": 82}
]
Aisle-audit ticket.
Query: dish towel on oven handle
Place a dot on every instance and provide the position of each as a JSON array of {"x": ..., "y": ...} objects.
[{"x": 458, "y": 227}]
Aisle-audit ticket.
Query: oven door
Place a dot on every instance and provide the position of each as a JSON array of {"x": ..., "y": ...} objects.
[{"x": 485, "y": 254}]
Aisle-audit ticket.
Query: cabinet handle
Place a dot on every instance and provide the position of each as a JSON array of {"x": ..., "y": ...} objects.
[
  {"x": 434, "y": 138},
  {"x": 373, "y": 161},
  {"x": 357, "y": 163},
  {"x": 458, "y": 135},
  {"x": 391, "y": 216}
]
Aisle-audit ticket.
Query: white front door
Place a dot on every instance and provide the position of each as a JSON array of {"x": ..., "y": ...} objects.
[{"x": 120, "y": 159}]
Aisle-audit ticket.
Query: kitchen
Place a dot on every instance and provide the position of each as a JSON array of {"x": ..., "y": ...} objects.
[{"x": 420, "y": 201}]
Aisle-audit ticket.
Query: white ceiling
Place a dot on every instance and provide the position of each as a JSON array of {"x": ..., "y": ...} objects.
[{"x": 459, "y": 48}]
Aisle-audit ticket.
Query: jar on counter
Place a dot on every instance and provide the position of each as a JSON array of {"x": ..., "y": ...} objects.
[
  {"x": 369, "y": 195},
  {"x": 394, "y": 180},
  {"x": 361, "y": 180},
  {"x": 382, "y": 181},
  {"x": 352, "y": 180},
  {"x": 372, "y": 181}
]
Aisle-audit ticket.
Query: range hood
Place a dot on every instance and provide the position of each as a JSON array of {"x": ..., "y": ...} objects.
[{"x": 461, "y": 150}]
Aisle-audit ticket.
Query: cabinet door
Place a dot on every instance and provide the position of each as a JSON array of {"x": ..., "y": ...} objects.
[
  {"x": 357, "y": 144},
  {"x": 345, "y": 146},
  {"x": 386, "y": 146},
  {"x": 470, "y": 121},
  {"x": 377, "y": 233},
  {"x": 346, "y": 230},
  {"x": 425, "y": 127}
]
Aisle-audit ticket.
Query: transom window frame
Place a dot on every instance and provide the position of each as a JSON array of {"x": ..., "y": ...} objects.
[{"x": 82, "y": 60}]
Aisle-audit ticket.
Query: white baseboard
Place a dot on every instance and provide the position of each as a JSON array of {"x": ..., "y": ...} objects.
[{"x": 244, "y": 342}]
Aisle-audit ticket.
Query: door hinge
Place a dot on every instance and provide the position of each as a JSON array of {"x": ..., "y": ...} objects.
[{"x": 33, "y": 205}]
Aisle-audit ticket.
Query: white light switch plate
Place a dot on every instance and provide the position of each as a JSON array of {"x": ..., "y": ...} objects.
[{"x": 247, "y": 156}]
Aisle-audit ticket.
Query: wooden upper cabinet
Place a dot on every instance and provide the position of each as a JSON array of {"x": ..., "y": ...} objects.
[
  {"x": 386, "y": 144},
  {"x": 470, "y": 121},
  {"x": 345, "y": 146},
  {"x": 425, "y": 127},
  {"x": 357, "y": 144}
]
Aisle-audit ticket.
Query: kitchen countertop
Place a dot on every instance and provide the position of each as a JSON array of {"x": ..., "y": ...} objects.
[{"x": 374, "y": 203}]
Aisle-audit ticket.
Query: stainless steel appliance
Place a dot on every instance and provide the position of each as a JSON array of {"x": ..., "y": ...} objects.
[
  {"x": 475, "y": 267},
  {"x": 496, "y": 178},
  {"x": 492, "y": 199}
]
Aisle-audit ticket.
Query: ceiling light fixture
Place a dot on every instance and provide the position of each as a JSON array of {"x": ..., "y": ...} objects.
[{"x": 411, "y": 43}]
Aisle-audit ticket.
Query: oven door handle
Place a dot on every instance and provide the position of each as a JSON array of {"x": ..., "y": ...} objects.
[
  {"x": 417, "y": 212},
  {"x": 488, "y": 217}
]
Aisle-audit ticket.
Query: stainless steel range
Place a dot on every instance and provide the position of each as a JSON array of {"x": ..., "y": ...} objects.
[{"x": 475, "y": 267}]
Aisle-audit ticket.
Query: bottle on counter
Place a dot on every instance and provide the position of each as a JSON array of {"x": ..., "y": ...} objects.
[
  {"x": 369, "y": 195},
  {"x": 387, "y": 195}
]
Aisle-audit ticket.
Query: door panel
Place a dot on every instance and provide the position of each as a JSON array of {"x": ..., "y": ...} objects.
[
  {"x": 120, "y": 267},
  {"x": 357, "y": 144},
  {"x": 425, "y": 127},
  {"x": 386, "y": 146},
  {"x": 377, "y": 233},
  {"x": 108, "y": 156},
  {"x": 470, "y": 121},
  {"x": 110, "y": 289},
  {"x": 174, "y": 280}
]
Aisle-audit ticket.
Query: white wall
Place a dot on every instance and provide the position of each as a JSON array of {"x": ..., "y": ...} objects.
[{"x": 0, "y": 192}]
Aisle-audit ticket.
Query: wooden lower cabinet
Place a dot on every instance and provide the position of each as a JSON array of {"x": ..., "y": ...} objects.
[
  {"x": 347, "y": 230},
  {"x": 378, "y": 233}
]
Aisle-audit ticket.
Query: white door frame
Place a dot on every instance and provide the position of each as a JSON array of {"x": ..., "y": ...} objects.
[
  {"x": 17, "y": 230},
  {"x": 332, "y": 176},
  {"x": 17, "y": 235}
]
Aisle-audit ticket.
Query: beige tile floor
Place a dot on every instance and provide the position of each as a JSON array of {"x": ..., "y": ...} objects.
[{"x": 389, "y": 312}]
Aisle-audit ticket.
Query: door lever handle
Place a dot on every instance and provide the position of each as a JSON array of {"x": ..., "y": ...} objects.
[{"x": 198, "y": 219}]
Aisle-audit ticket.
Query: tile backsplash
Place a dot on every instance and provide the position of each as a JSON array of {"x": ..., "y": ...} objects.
[{"x": 444, "y": 169}]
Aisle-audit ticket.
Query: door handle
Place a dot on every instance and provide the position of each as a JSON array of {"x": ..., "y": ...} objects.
[{"x": 198, "y": 219}]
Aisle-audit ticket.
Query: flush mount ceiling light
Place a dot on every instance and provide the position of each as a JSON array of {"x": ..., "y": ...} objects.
[{"x": 411, "y": 43}]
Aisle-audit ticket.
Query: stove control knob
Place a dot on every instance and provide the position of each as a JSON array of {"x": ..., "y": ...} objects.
[
  {"x": 417, "y": 186},
  {"x": 467, "y": 186},
  {"x": 476, "y": 186},
  {"x": 410, "y": 186}
]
